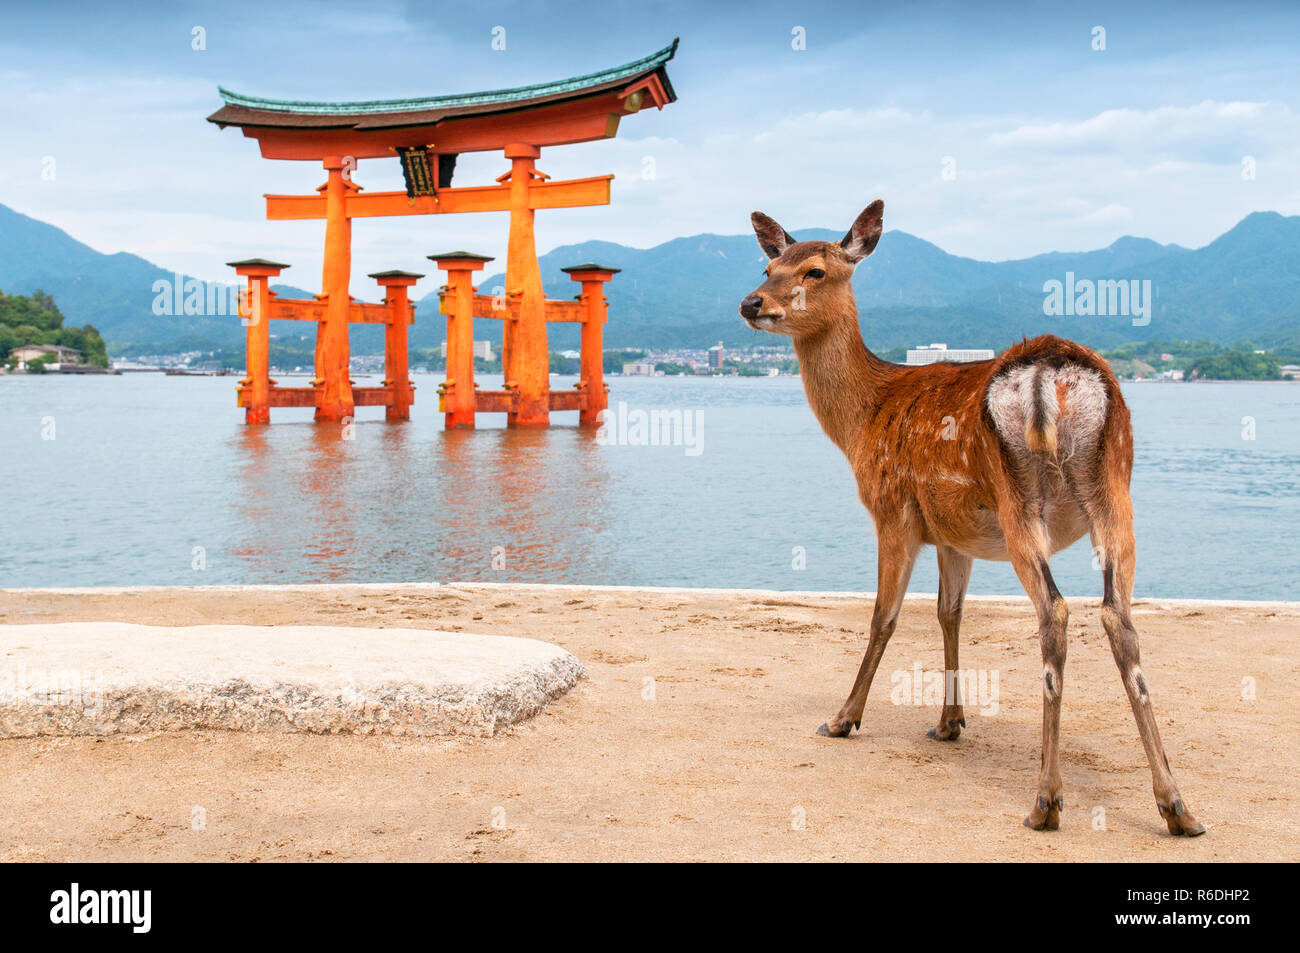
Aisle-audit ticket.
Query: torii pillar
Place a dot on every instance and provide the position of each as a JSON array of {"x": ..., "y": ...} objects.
[
  {"x": 458, "y": 399},
  {"x": 524, "y": 354},
  {"x": 255, "y": 388},
  {"x": 333, "y": 355},
  {"x": 591, "y": 362},
  {"x": 397, "y": 373}
]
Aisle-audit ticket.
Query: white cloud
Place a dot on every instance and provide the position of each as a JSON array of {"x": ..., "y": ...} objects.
[
  {"x": 1110, "y": 214},
  {"x": 1146, "y": 130}
]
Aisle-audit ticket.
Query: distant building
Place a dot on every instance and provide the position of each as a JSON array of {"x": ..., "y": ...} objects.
[
  {"x": 482, "y": 349},
  {"x": 716, "y": 354},
  {"x": 930, "y": 354},
  {"x": 638, "y": 370},
  {"x": 1291, "y": 371},
  {"x": 30, "y": 352}
]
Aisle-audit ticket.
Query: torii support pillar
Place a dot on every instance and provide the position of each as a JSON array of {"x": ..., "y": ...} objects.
[
  {"x": 458, "y": 398},
  {"x": 397, "y": 369},
  {"x": 333, "y": 356},
  {"x": 524, "y": 355},
  {"x": 591, "y": 364},
  {"x": 255, "y": 388}
]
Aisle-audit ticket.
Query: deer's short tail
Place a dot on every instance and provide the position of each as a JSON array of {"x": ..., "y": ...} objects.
[
  {"x": 1040, "y": 424},
  {"x": 1051, "y": 400}
]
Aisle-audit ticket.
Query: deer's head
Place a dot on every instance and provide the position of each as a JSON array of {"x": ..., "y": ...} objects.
[{"x": 807, "y": 287}]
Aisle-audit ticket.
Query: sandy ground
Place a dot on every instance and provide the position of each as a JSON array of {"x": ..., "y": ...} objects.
[{"x": 693, "y": 739}]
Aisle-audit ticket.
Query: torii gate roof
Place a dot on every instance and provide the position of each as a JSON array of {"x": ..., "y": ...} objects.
[{"x": 577, "y": 109}]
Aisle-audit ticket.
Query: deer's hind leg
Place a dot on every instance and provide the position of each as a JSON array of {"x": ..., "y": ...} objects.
[
  {"x": 1112, "y": 535},
  {"x": 1028, "y": 544},
  {"x": 954, "y": 576}
]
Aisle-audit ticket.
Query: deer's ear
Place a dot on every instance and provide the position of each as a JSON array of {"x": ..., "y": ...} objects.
[
  {"x": 772, "y": 238},
  {"x": 862, "y": 237}
]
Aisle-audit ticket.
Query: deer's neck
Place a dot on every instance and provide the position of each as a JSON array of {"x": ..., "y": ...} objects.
[{"x": 841, "y": 378}]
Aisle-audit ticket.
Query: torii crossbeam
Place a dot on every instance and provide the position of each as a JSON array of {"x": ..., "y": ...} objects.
[{"x": 427, "y": 135}]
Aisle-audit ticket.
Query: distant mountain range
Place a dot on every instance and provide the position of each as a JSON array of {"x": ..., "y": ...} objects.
[{"x": 1245, "y": 285}]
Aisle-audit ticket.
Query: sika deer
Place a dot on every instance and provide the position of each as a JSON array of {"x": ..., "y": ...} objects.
[{"x": 1009, "y": 459}]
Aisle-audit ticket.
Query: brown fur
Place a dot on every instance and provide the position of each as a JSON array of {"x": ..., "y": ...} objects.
[{"x": 1013, "y": 458}]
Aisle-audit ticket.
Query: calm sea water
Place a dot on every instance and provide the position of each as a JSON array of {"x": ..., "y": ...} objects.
[{"x": 149, "y": 477}]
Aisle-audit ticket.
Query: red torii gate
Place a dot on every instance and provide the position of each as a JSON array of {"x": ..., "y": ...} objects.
[{"x": 428, "y": 134}]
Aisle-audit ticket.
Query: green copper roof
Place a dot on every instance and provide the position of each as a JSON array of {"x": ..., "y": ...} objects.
[
  {"x": 258, "y": 263},
  {"x": 460, "y": 100},
  {"x": 459, "y": 256},
  {"x": 590, "y": 266},
  {"x": 395, "y": 273}
]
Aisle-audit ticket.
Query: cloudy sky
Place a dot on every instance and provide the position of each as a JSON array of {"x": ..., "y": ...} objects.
[{"x": 993, "y": 134}]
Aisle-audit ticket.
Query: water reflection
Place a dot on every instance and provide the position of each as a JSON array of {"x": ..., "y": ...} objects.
[
  {"x": 394, "y": 502},
  {"x": 332, "y": 501}
]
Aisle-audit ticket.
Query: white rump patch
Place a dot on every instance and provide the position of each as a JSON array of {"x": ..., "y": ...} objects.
[{"x": 1011, "y": 397}]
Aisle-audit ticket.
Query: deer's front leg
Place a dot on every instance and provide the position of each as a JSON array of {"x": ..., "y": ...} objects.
[
  {"x": 954, "y": 576},
  {"x": 898, "y": 542}
]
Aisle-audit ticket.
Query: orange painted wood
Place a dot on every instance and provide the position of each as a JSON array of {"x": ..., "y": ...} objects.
[
  {"x": 257, "y": 354},
  {"x": 308, "y": 309},
  {"x": 458, "y": 396},
  {"x": 293, "y": 396},
  {"x": 397, "y": 371},
  {"x": 525, "y": 357},
  {"x": 549, "y": 125},
  {"x": 373, "y": 396},
  {"x": 332, "y": 348},
  {"x": 297, "y": 309},
  {"x": 591, "y": 363},
  {"x": 485, "y": 306},
  {"x": 306, "y": 396},
  {"x": 494, "y": 401},
  {"x": 565, "y": 311},
  {"x": 253, "y": 392},
  {"x": 650, "y": 87},
  {"x": 568, "y": 193},
  {"x": 568, "y": 400},
  {"x": 557, "y": 125}
]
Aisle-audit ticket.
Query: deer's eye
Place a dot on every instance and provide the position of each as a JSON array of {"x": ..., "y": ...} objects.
[{"x": 815, "y": 273}]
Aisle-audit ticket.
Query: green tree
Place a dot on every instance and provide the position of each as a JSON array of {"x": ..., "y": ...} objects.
[
  {"x": 613, "y": 361},
  {"x": 563, "y": 365},
  {"x": 36, "y": 319}
]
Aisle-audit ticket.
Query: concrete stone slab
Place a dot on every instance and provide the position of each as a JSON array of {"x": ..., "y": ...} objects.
[{"x": 98, "y": 678}]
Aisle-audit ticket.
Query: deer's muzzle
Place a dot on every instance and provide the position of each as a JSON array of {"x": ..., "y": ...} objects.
[{"x": 750, "y": 306}]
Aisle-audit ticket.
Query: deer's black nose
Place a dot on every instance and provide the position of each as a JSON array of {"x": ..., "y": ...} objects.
[{"x": 749, "y": 307}]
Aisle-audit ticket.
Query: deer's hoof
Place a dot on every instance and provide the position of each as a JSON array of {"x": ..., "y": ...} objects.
[
  {"x": 1180, "y": 820},
  {"x": 1046, "y": 815},
  {"x": 841, "y": 729},
  {"x": 949, "y": 730}
]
